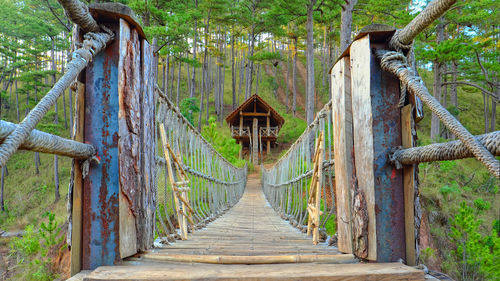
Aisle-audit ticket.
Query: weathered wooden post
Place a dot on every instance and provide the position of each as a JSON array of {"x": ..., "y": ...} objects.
[
  {"x": 114, "y": 199},
  {"x": 367, "y": 124}
]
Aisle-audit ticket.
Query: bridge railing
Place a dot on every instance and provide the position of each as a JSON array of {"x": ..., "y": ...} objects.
[
  {"x": 214, "y": 183},
  {"x": 287, "y": 185}
]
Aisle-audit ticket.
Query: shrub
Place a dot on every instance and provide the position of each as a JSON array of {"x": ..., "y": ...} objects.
[{"x": 477, "y": 256}]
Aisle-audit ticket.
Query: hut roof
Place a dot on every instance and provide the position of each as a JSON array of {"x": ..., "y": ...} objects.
[{"x": 246, "y": 106}]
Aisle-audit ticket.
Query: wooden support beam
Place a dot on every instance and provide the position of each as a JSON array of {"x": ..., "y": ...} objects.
[
  {"x": 76, "y": 213},
  {"x": 255, "y": 114},
  {"x": 255, "y": 142},
  {"x": 409, "y": 187},
  {"x": 343, "y": 153},
  {"x": 268, "y": 124}
]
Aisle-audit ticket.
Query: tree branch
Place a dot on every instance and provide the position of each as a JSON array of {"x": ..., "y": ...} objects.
[
  {"x": 497, "y": 98},
  {"x": 57, "y": 17}
]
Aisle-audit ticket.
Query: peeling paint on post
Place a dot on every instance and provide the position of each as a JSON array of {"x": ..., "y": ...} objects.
[{"x": 101, "y": 189}]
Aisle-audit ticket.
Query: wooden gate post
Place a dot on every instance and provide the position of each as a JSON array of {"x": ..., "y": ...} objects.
[
  {"x": 117, "y": 202},
  {"x": 370, "y": 200}
]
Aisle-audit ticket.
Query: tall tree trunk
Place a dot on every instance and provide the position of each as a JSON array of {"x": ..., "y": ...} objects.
[
  {"x": 2, "y": 203},
  {"x": 294, "y": 77},
  {"x": 223, "y": 66},
  {"x": 233, "y": 71},
  {"x": 164, "y": 76},
  {"x": 257, "y": 81},
  {"x": 63, "y": 97},
  {"x": 178, "y": 83},
  {"x": 437, "y": 83},
  {"x": 193, "y": 77},
  {"x": 287, "y": 88},
  {"x": 205, "y": 75},
  {"x": 346, "y": 24},
  {"x": 53, "y": 58},
  {"x": 251, "y": 38},
  {"x": 310, "y": 63},
  {"x": 172, "y": 76},
  {"x": 242, "y": 74}
]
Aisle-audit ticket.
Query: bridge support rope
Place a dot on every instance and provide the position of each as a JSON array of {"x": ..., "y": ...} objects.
[{"x": 395, "y": 63}]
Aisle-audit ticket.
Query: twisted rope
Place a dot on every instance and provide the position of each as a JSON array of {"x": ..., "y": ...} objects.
[
  {"x": 93, "y": 44},
  {"x": 403, "y": 38},
  {"x": 47, "y": 143},
  {"x": 443, "y": 151},
  {"x": 395, "y": 63},
  {"x": 78, "y": 13}
]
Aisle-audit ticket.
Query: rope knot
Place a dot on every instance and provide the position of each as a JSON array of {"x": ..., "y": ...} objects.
[{"x": 394, "y": 156}]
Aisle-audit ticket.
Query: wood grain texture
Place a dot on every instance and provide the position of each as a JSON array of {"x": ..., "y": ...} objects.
[
  {"x": 129, "y": 142},
  {"x": 147, "y": 199},
  {"x": 343, "y": 150},
  {"x": 363, "y": 132},
  {"x": 76, "y": 231},
  {"x": 408, "y": 182},
  {"x": 346, "y": 272}
]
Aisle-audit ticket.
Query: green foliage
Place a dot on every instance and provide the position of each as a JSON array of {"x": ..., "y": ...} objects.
[
  {"x": 27, "y": 245},
  {"x": 226, "y": 146},
  {"x": 477, "y": 255},
  {"x": 449, "y": 189},
  {"x": 32, "y": 249},
  {"x": 292, "y": 129},
  {"x": 188, "y": 107},
  {"x": 427, "y": 254}
]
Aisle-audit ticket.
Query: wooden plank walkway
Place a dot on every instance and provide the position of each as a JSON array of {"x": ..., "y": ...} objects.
[
  {"x": 250, "y": 228},
  {"x": 249, "y": 234}
]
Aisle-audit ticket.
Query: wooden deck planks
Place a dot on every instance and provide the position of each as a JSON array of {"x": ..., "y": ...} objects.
[
  {"x": 250, "y": 232},
  {"x": 250, "y": 228},
  {"x": 390, "y": 271}
]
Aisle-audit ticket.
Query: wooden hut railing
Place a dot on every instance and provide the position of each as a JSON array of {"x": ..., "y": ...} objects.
[
  {"x": 240, "y": 132},
  {"x": 269, "y": 131}
]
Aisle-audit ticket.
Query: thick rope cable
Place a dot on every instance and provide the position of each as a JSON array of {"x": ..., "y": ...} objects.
[
  {"x": 395, "y": 63},
  {"x": 403, "y": 38},
  {"x": 78, "y": 13},
  {"x": 47, "y": 143},
  {"x": 444, "y": 151},
  {"x": 93, "y": 44}
]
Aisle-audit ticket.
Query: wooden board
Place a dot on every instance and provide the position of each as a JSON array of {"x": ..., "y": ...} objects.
[
  {"x": 129, "y": 142},
  {"x": 409, "y": 184},
  {"x": 145, "y": 222},
  {"x": 363, "y": 133},
  {"x": 76, "y": 230},
  {"x": 385, "y": 272},
  {"x": 343, "y": 149}
]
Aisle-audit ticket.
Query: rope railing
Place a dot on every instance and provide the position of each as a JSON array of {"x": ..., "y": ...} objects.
[
  {"x": 39, "y": 141},
  {"x": 395, "y": 63},
  {"x": 94, "y": 42},
  {"x": 287, "y": 184},
  {"x": 213, "y": 184}
]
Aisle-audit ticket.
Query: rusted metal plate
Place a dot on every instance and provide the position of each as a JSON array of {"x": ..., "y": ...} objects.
[{"x": 100, "y": 239}]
